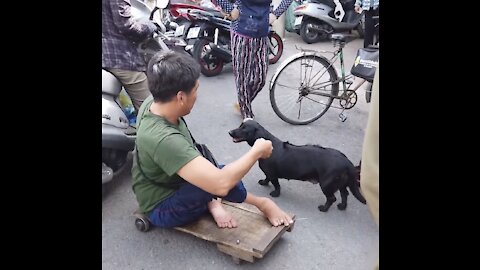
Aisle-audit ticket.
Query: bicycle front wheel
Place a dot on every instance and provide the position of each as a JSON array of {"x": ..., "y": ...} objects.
[{"x": 304, "y": 89}]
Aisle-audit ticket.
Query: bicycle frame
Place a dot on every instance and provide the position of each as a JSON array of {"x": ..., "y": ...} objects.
[{"x": 343, "y": 79}]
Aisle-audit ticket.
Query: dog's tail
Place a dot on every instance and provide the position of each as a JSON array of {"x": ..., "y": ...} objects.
[
  {"x": 358, "y": 171},
  {"x": 354, "y": 186}
]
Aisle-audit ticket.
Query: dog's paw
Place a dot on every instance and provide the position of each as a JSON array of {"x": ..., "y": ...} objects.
[
  {"x": 323, "y": 208},
  {"x": 263, "y": 182},
  {"x": 275, "y": 193},
  {"x": 342, "y": 206}
]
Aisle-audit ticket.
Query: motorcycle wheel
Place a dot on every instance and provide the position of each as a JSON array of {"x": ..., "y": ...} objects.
[
  {"x": 209, "y": 70},
  {"x": 105, "y": 188},
  {"x": 311, "y": 36},
  {"x": 114, "y": 159},
  {"x": 275, "y": 46}
]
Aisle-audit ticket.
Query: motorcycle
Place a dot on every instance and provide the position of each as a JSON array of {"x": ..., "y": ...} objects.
[
  {"x": 118, "y": 135},
  {"x": 209, "y": 37},
  {"x": 207, "y": 30},
  {"x": 180, "y": 15},
  {"x": 316, "y": 20}
]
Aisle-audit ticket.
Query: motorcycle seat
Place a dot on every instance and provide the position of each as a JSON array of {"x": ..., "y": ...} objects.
[{"x": 214, "y": 12}]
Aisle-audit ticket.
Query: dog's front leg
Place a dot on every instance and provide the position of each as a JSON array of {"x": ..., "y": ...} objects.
[
  {"x": 275, "y": 183},
  {"x": 264, "y": 182},
  {"x": 266, "y": 170}
]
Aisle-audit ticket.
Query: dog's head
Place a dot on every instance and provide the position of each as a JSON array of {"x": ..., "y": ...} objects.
[{"x": 248, "y": 131}]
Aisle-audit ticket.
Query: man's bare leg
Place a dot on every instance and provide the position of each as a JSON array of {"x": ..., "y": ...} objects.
[
  {"x": 275, "y": 215},
  {"x": 223, "y": 218}
]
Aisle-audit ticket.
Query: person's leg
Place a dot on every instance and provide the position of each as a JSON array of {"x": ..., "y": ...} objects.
[
  {"x": 135, "y": 84},
  {"x": 242, "y": 61},
  {"x": 223, "y": 218},
  {"x": 189, "y": 203},
  {"x": 370, "y": 154},
  {"x": 237, "y": 194},
  {"x": 258, "y": 74},
  {"x": 274, "y": 214},
  {"x": 369, "y": 28}
]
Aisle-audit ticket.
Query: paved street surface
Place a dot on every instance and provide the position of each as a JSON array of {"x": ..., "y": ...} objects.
[{"x": 336, "y": 240}]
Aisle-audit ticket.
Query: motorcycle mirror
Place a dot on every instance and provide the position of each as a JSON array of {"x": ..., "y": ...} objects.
[
  {"x": 162, "y": 3},
  {"x": 139, "y": 9},
  {"x": 156, "y": 17}
]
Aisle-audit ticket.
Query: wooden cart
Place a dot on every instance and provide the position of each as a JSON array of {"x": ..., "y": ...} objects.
[{"x": 253, "y": 237}]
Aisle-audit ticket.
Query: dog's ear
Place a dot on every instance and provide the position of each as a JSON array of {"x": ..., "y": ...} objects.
[
  {"x": 250, "y": 138},
  {"x": 254, "y": 131}
]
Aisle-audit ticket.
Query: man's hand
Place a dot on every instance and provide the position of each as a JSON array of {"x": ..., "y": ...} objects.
[
  {"x": 358, "y": 9},
  {"x": 149, "y": 24},
  {"x": 263, "y": 147},
  {"x": 272, "y": 18},
  {"x": 234, "y": 14}
]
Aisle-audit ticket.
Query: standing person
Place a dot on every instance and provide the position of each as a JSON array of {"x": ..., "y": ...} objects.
[
  {"x": 370, "y": 155},
  {"x": 371, "y": 8},
  {"x": 173, "y": 183},
  {"x": 249, "y": 38},
  {"x": 120, "y": 33}
]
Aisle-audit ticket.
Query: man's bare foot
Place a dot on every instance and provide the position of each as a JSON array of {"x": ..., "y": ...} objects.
[
  {"x": 223, "y": 218},
  {"x": 275, "y": 215}
]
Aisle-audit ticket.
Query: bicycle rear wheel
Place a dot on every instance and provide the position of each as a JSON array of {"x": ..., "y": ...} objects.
[{"x": 304, "y": 89}]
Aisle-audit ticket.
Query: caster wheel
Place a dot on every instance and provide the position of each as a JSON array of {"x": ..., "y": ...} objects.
[
  {"x": 141, "y": 221},
  {"x": 142, "y": 224}
]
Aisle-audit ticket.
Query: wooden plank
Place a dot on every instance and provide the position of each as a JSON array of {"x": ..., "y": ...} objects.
[
  {"x": 236, "y": 253},
  {"x": 266, "y": 239},
  {"x": 249, "y": 227},
  {"x": 253, "y": 237}
]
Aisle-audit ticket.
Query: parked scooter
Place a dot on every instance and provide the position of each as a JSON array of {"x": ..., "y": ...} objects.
[
  {"x": 209, "y": 36},
  {"x": 209, "y": 29},
  {"x": 316, "y": 20},
  {"x": 118, "y": 136},
  {"x": 180, "y": 14}
]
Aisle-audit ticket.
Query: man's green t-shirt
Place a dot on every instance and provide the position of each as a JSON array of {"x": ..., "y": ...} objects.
[{"x": 163, "y": 148}]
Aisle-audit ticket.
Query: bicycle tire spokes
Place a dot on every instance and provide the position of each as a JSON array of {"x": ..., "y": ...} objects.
[
  {"x": 299, "y": 109},
  {"x": 291, "y": 87},
  {"x": 308, "y": 63},
  {"x": 302, "y": 103},
  {"x": 325, "y": 70},
  {"x": 316, "y": 101}
]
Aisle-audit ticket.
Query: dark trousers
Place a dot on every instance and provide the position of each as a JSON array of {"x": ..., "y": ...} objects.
[
  {"x": 188, "y": 204},
  {"x": 369, "y": 27}
]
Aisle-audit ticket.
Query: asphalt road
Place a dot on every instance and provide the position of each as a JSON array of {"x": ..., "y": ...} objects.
[{"x": 336, "y": 240}]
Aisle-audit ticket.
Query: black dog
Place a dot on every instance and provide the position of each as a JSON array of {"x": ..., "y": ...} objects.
[{"x": 326, "y": 166}]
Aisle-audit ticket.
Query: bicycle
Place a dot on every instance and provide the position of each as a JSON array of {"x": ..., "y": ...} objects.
[{"x": 321, "y": 90}]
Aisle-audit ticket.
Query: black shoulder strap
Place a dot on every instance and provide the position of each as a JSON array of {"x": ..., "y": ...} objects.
[{"x": 188, "y": 130}]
